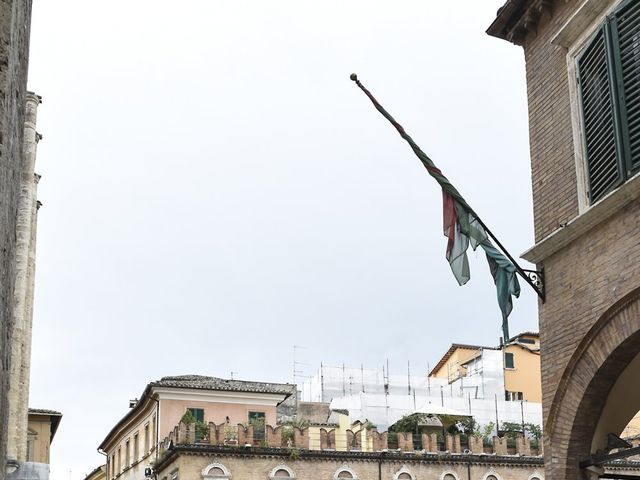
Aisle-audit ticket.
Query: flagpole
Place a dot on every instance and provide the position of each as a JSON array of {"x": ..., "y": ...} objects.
[{"x": 537, "y": 282}]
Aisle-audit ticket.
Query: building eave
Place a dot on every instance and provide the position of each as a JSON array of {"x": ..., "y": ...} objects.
[
  {"x": 517, "y": 18},
  {"x": 452, "y": 349},
  {"x": 54, "y": 418},
  {"x": 150, "y": 390}
]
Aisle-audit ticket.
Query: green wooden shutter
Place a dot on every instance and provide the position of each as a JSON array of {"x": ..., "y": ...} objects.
[
  {"x": 627, "y": 31},
  {"x": 198, "y": 414},
  {"x": 509, "y": 360},
  {"x": 598, "y": 118}
]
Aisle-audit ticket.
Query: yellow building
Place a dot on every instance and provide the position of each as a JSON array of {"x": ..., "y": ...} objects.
[
  {"x": 319, "y": 415},
  {"x": 522, "y": 368},
  {"x": 99, "y": 473},
  {"x": 521, "y": 365},
  {"x": 42, "y": 427}
]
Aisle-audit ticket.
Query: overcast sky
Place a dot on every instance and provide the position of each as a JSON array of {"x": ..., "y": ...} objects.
[{"x": 216, "y": 191}]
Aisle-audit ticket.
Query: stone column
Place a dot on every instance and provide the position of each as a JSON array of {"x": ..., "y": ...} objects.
[{"x": 24, "y": 287}]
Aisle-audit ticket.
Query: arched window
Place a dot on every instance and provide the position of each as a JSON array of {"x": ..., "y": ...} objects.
[
  {"x": 216, "y": 471},
  {"x": 491, "y": 475},
  {"x": 536, "y": 476},
  {"x": 345, "y": 472},
  {"x": 403, "y": 474},
  {"x": 449, "y": 476},
  {"x": 281, "y": 471}
]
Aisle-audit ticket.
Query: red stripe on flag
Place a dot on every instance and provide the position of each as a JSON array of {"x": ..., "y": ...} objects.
[{"x": 449, "y": 220}]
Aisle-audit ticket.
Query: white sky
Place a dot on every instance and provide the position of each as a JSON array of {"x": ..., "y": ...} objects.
[{"x": 216, "y": 190}]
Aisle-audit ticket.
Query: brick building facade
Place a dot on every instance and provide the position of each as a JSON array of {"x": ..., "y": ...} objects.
[{"x": 583, "y": 71}]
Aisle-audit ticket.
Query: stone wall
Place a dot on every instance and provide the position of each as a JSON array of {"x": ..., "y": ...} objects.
[
  {"x": 307, "y": 465},
  {"x": 15, "y": 21}
]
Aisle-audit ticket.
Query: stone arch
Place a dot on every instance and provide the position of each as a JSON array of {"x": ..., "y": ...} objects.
[
  {"x": 536, "y": 476},
  {"x": 449, "y": 475},
  {"x": 345, "y": 472},
  {"x": 404, "y": 474},
  {"x": 281, "y": 471},
  {"x": 583, "y": 405},
  {"x": 216, "y": 471},
  {"x": 491, "y": 475}
]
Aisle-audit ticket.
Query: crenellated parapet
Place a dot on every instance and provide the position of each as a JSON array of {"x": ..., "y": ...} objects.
[{"x": 326, "y": 439}]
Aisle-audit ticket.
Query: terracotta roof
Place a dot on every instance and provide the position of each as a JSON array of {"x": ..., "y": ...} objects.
[
  {"x": 202, "y": 382},
  {"x": 54, "y": 416},
  {"x": 98, "y": 469},
  {"x": 525, "y": 334},
  {"x": 42, "y": 411},
  {"x": 453, "y": 348}
]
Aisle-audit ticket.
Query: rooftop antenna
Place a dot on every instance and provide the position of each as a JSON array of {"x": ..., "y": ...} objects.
[
  {"x": 232, "y": 373},
  {"x": 344, "y": 385},
  {"x": 362, "y": 376},
  {"x": 386, "y": 379},
  {"x": 321, "y": 384},
  {"x": 409, "y": 377},
  {"x": 297, "y": 373}
]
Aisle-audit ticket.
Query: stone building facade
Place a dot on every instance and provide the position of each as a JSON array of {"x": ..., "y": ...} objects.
[
  {"x": 583, "y": 74},
  {"x": 191, "y": 462},
  {"x": 15, "y": 21}
]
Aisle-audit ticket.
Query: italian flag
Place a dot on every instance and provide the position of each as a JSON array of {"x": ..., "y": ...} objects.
[{"x": 463, "y": 228}]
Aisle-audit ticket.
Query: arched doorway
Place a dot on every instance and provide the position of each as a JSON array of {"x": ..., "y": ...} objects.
[{"x": 599, "y": 392}]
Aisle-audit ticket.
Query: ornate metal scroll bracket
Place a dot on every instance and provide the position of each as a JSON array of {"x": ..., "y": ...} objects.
[{"x": 536, "y": 280}]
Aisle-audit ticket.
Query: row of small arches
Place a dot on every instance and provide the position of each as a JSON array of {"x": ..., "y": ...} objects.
[{"x": 218, "y": 471}]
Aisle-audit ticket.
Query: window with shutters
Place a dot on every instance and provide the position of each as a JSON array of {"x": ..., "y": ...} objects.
[
  {"x": 198, "y": 414},
  {"x": 509, "y": 361},
  {"x": 608, "y": 71}
]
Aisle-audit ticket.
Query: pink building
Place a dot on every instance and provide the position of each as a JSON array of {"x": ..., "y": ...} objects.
[{"x": 133, "y": 443}]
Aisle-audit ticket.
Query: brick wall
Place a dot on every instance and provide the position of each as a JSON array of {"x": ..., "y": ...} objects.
[
  {"x": 553, "y": 168},
  {"x": 15, "y": 20},
  {"x": 584, "y": 279}
]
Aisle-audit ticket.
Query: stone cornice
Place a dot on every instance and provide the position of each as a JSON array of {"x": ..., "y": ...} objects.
[
  {"x": 517, "y": 18},
  {"x": 389, "y": 456}
]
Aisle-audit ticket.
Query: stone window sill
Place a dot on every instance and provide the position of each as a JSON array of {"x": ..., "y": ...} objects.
[{"x": 593, "y": 216}]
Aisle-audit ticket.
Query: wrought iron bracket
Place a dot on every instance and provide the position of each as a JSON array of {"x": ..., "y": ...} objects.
[{"x": 535, "y": 278}]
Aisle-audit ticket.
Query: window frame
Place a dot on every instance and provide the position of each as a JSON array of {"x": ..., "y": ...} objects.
[
  {"x": 274, "y": 470},
  {"x": 196, "y": 411},
  {"x": 511, "y": 356},
  {"x": 574, "y": 51},
  {"x": 449, "y": 472},
  {"x": 136, "y": 448},
  {"x": 344, "y": 468},
  {"x": 207, "y": 475}
]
